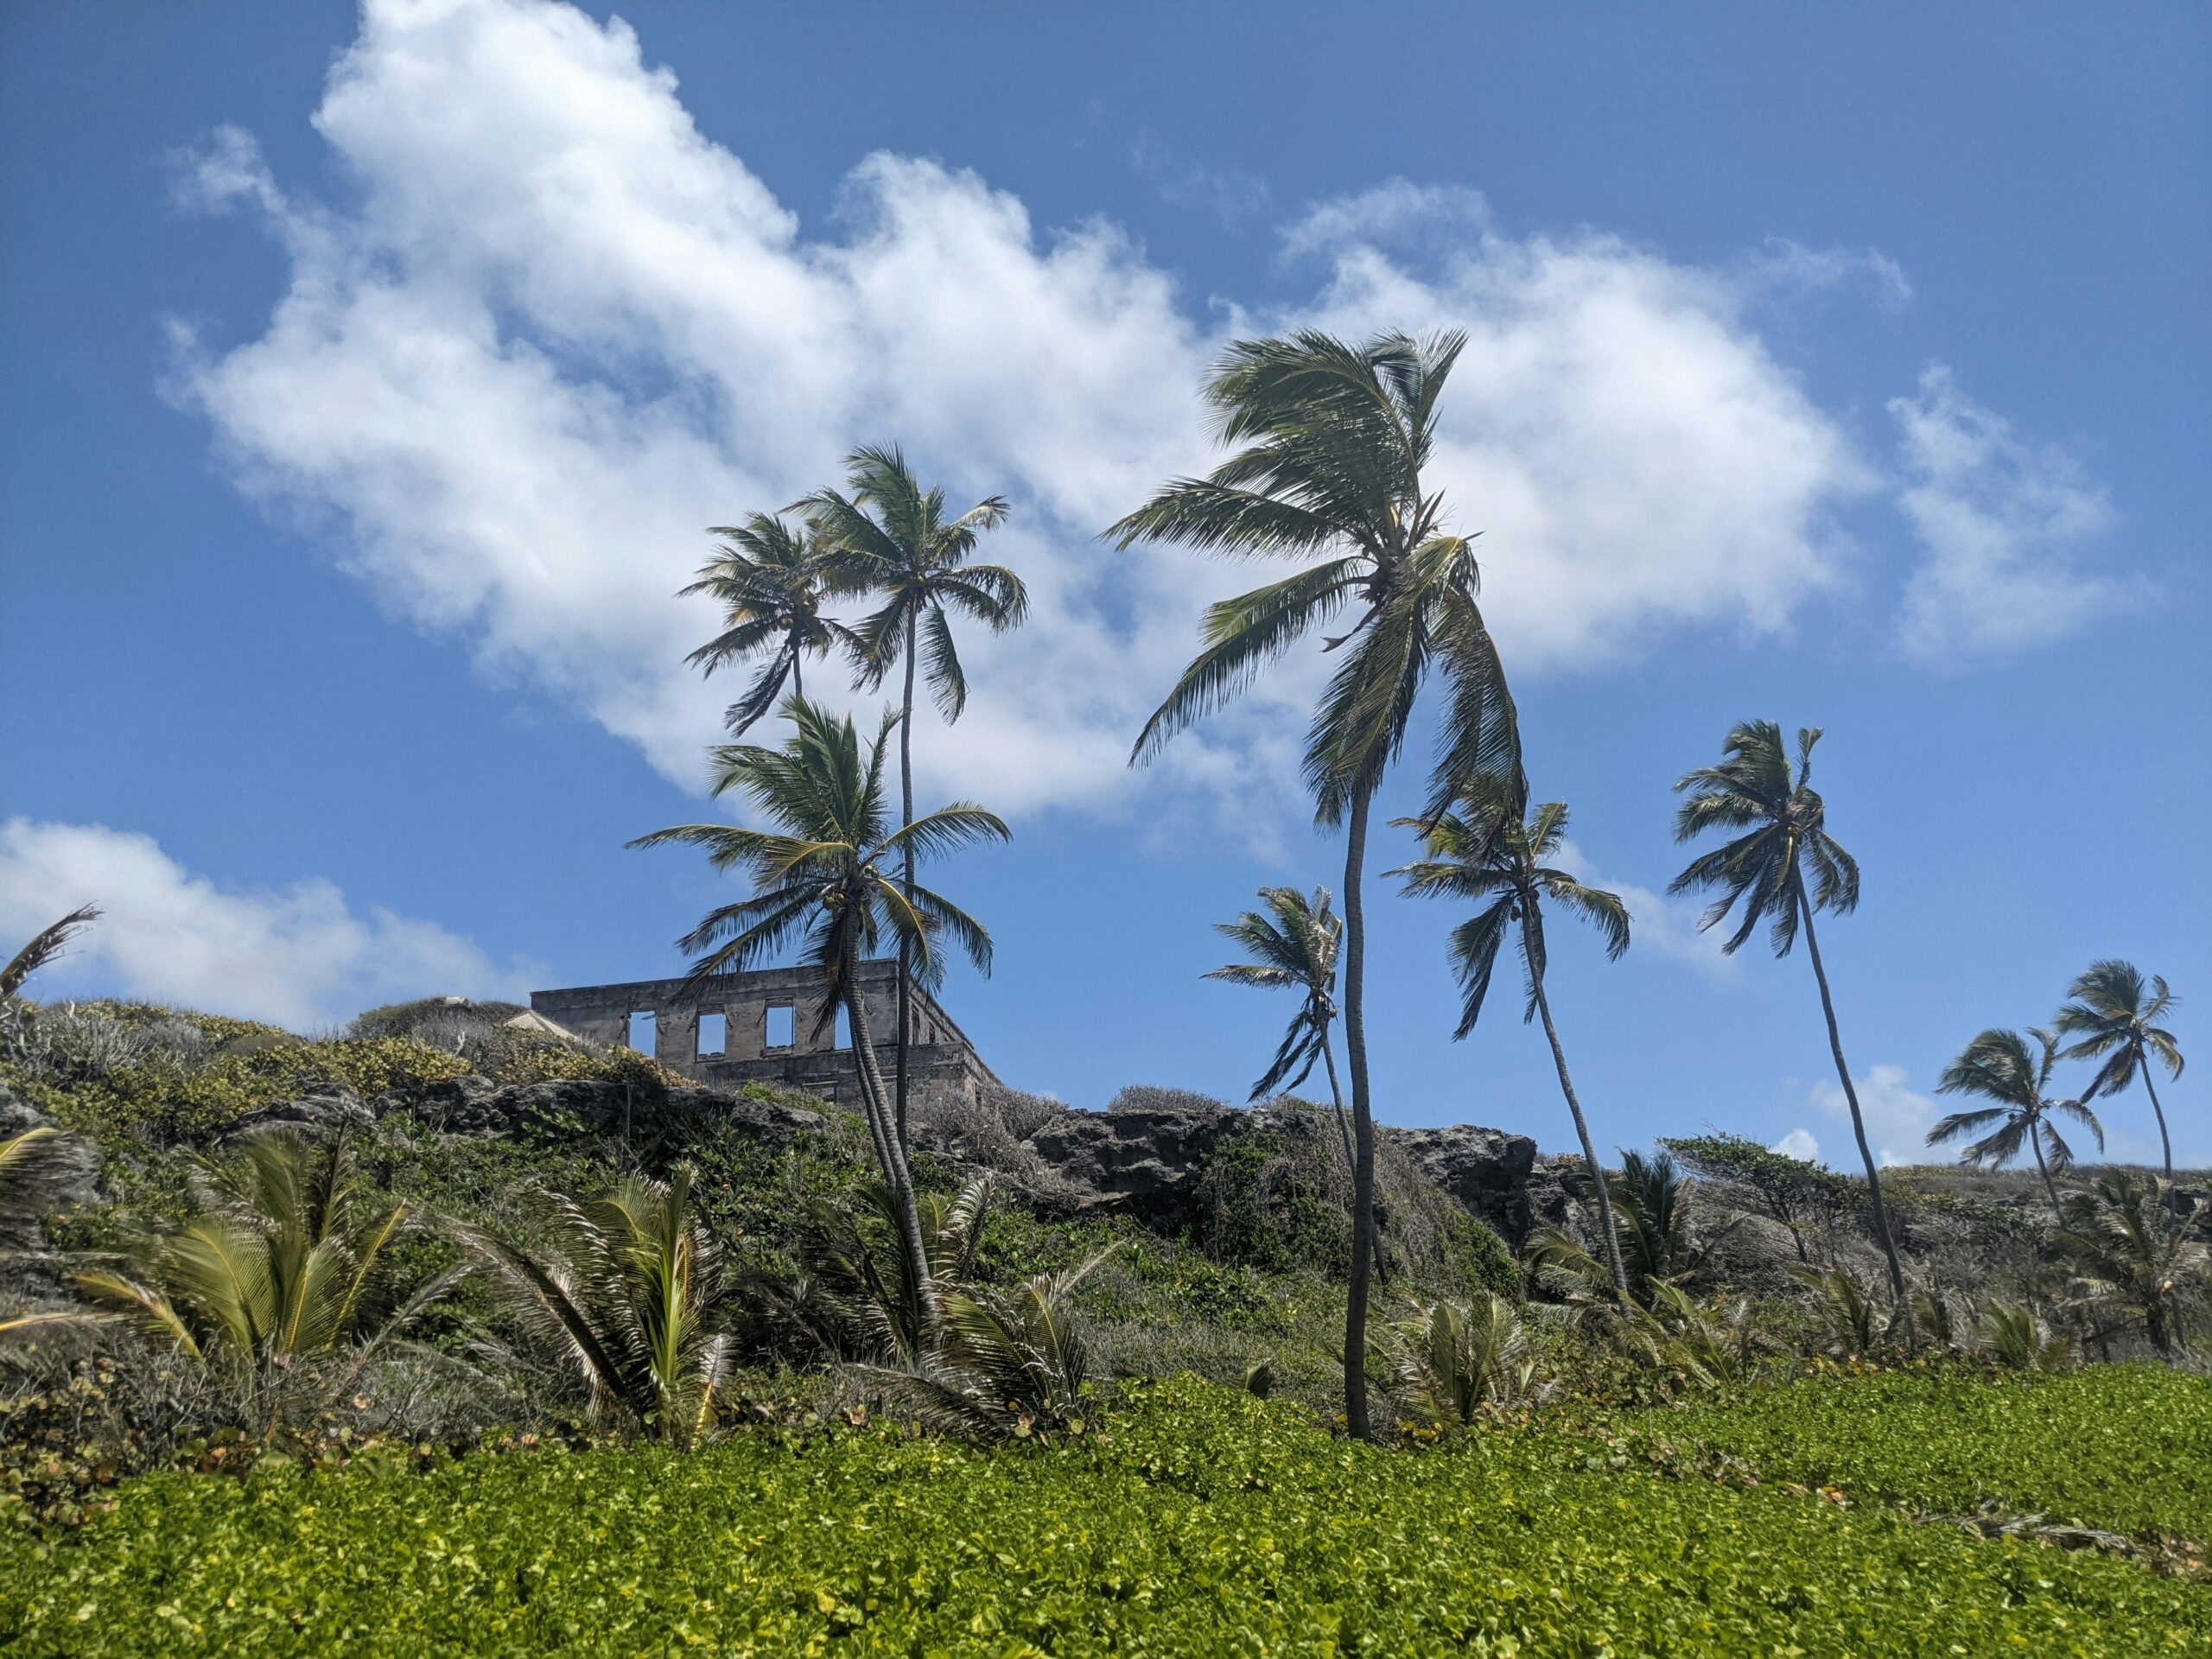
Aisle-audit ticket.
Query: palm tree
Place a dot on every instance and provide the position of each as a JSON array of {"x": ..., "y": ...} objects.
[
  {"x": 2137, "y": 1255},
  {"x": 1997, "y": 1066},
  {"x": 1784, "y": 821},
  {"x": 1450, "y": 1359},
  {"x": 1328, "y": 443},
  {"x": 2111, "y": 1018},
  {"x": 1296, "y": 942},
  {"x": 1485, "y": 854},
  {"x": 823, "y": 872},
  {"x": 893, "y": 539},
  {"x": 771, "y": 582},
  {"x": 634, "y": 1298},
  {"x": 39, "y": 1168},
  {"x": 291, "y": 1256}
]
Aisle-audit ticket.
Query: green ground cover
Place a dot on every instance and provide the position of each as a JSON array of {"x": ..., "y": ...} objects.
[
  {"x": 2123, "y": 1448},
  {"x": 1200, "y": 1520}
]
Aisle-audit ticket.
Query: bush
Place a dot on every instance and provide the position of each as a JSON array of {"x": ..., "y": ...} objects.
[{"x": 1202, "y": 1521}]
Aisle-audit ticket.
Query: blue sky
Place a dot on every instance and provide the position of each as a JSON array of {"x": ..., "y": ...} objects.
[{"x": 369, "y": 379}]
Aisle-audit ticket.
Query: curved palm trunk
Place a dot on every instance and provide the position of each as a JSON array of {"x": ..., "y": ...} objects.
[
  {"x": 889, "y": 1146},
  {"x": 1589, "y": 1148},
  {"x": 905, "y": 879},
  {"x": 2050, "y": 1188},
  {"x": 1363, "y": 1122},
  {"x": 1881, "y": 1233},
  {"x": 2165, "y": 1145},
  {"x": 1351, "y": 1157}
]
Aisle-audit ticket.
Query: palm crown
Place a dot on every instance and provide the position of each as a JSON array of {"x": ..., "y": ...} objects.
[
  {"x": 823, "y": 871},
  {"x": 1294, "y": 943},
  {"x": 1998, "y": 1066},
  {"x": 1330, "y": 440},
  {"x": 2111, "y": 1016},
  {"x": 893, "y": 540},
  {"x": 770, "y": 581},
  {"x": 1481, "y": 852},
  {"x": 1753, "y": 790}
]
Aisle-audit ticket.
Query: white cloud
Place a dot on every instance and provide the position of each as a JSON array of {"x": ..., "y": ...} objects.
[
  {"x": 1897, "y": 1120},
  {"x": 1658, "y": 924},
  {"x": 554, "y": 331},
  {"x": 2006, "y": 524},
  {"x": 1798, "y": 1144},
  {"x": 297, "y": 956}
]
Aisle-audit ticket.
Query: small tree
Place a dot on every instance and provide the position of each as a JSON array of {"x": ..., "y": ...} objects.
[{"x": 1787, "y": 1191}]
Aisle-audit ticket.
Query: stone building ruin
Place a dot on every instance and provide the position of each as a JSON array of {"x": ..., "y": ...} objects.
[{"x": 760, "y": 1027}]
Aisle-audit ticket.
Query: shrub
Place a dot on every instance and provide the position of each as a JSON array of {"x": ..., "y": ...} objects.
[{"x": 1201, "y": 1521}]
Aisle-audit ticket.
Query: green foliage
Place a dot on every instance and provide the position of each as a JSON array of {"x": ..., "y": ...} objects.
[
  {"x": 1476, "y": 1262},
  {"x": 1263, "y": 1201},
  {"x": 2126, "y": 1448},
  {"x": 1202, "y": 1521},
  {"x": 166, "y": 1100}
]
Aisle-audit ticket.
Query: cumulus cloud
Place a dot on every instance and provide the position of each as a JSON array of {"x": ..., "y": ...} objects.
[
  {"x": 553, "y": 330},
  {"x": 298, "y": 955},
  {"x": 1798, "y": 1144},
  {"x": 1658, "y": 924},
  {"x": 2010, "y": 526},
  {"x": 1897, "y": 1120}
]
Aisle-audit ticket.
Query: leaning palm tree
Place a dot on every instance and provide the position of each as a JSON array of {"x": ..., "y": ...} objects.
[
  {"x": 770, "y": 581},
  {"x": 292, "y": 1256},
  {"x": 1295, "y": 943},
  {"x": 1328, "y": 441},
  {"x": 1997, "y": 1066},
  {"x": 2134, "y": 1240},
  {"x": 633, "y": 1298},
  {"x": 1484, "y": 853},
  {"x": 2111, "y": 1017},
  {"x": 823, "y": 872},
  {"x": 892, "y": 540},
  {"x": 1785, "y": 833}
]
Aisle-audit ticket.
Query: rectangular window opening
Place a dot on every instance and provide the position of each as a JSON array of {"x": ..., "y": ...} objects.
[
  {"x": 644, "y": 1031},
  {"x": 713, "y": 1034},
  {"x": 844, "y": 1028},
  {"x": 783, "y": 1026}
]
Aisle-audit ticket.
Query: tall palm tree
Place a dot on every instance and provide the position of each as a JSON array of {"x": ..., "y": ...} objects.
[
  {"x": 1485, "y": 852},
  {"x": 771, "y": 582},
  {"x": 1998, "y": 1066},
  {"x": 2111, "y": 1017},
  {"x": 1328, "y": 440},
  {"x": 823, "y": 872},
  {"x": 1785, "y": 833},
  {"x": 893, "y": 541},
  {"x": 634, "y": 1298}
]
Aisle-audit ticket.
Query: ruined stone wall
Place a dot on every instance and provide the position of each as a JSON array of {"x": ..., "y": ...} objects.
[{"x": 768, "y": 1030}]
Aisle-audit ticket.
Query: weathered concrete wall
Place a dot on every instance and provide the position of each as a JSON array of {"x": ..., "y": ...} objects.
[{"x": 938, "y": 1055}]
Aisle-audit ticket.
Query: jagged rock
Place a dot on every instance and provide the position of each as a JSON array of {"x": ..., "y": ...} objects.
[
  {"x": 1146, "y": 1163},
  {"x": 1486, "y": 1170},
  {"x": 321, "y": 1107}
]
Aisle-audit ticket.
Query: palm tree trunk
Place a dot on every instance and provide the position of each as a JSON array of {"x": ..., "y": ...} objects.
[
  {"x": 1351, "y": 1157},
  {"x": 1363, "y": 1122},
  {"x": 1337, "y": 1096},
  {"x": 2165, "y": 1145},
  {"x": 1582, "y": 1129},
  {"x": 798, "y": 678},
  {"x": 2035, "y": 1145},
  {"x": 889, "y": 1148},
  {"x": 905, "y": 876},
  {"x": 1882, "y": 1234}
]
